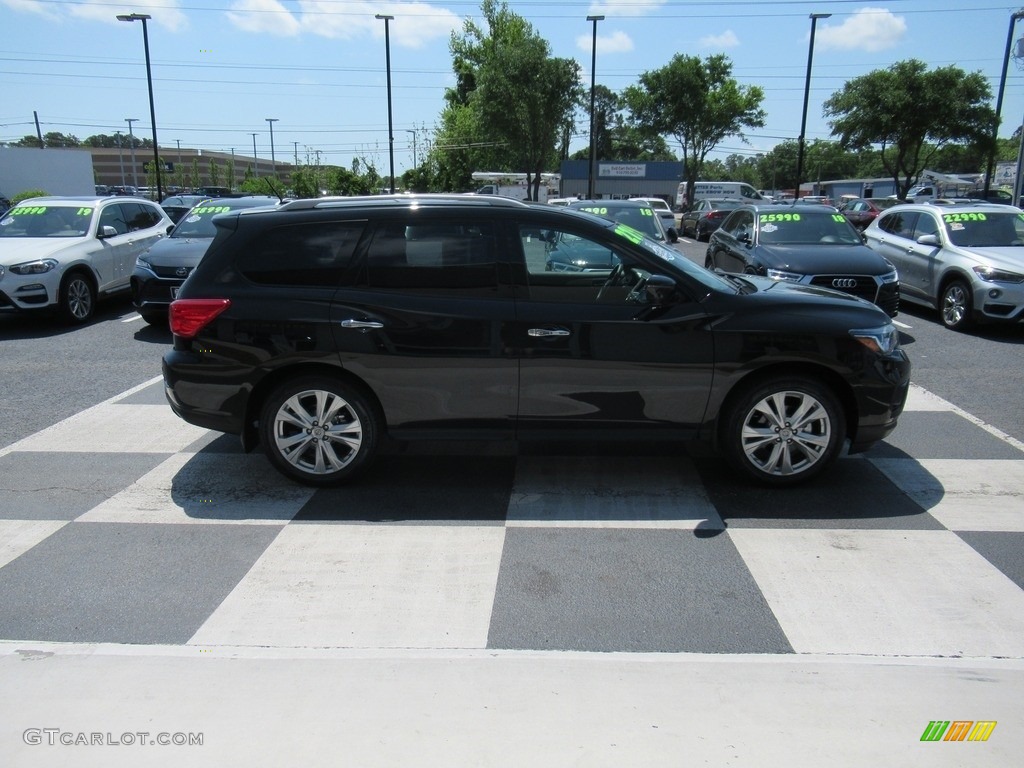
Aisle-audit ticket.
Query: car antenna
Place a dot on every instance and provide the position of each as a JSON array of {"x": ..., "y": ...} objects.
[{"x": 273, "y": 189}]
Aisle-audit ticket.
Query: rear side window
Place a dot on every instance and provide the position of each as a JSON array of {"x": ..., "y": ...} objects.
[
  {"x": 314, "y": 254},
  {"x": 899, "y": 223},
  {"x": 437, "y": 257}
]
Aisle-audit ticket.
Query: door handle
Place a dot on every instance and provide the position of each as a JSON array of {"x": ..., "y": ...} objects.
[
  {"x": 361, "y": 324},
  {"x": 544, "y": 332}
]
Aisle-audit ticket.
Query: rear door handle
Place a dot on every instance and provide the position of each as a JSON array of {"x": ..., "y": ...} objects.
[{"x": 545, "y": 332}]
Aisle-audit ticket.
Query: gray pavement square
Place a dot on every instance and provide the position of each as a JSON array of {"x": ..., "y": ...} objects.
[
  {"x": 125, "y": 583},
  {"x": 1002, "y": 549},
  {"x": 629, "y": 590},
  {"x": 941, "y": 435}
]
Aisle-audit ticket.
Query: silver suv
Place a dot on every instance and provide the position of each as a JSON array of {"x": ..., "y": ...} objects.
[{"x": 965, "y": 260}]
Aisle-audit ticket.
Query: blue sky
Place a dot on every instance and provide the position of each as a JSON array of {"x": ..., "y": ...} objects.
[{"x": 222, "y": 67}]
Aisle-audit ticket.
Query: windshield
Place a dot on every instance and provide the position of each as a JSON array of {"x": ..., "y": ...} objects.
[
  {"x": 26, "y": 220},
  {"x": 805, "y": 228},
  {"x": 985, "y": 230},
  {"x": 640, "y": 217},
  {"x": 198, "y": 222}
]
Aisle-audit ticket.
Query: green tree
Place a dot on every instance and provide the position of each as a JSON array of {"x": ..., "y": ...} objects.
[
  {"x": 195, "y": 180},
  {"x": 519, "y": 96},
  {"x": 616, "y": 138},
  {"x": 214, "y": 173},
  {"x": 908, "y": 114},
  {"x": 696, "y": 101}
]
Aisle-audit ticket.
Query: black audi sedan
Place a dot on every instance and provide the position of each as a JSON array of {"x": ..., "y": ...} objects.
[
  {"x": 322, "y": 327},
  {"x": 813, "y": 245}
]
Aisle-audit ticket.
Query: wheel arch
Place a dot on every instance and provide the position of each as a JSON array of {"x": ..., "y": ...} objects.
[
  {"x": 825, "y": 376},
  {"x": 270, "y": 382}
]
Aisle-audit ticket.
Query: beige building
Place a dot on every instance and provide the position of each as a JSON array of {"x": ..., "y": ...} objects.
[{"x": 117, "y": 167}]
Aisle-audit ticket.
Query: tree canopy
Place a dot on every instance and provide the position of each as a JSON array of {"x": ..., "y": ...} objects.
[
  {"x": 696, "y": 101},
  {"x": 908, "y": 114}
]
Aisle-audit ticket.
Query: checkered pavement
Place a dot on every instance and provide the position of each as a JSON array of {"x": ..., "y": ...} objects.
[{"x": 123, "y": 524}]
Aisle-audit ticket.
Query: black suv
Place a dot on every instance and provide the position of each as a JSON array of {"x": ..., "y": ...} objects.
[{"x": 322, "y": 326}]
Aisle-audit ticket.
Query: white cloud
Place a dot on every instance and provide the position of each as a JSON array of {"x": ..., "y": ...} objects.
[
  {"x": 415, "y": 23},
  {"x": 166, "y": 13},
  {"x": 727, "y": 39},
  {"x": 621, "y": 8},
  {"x": 616, "y": 42},
  {"x": 868, "y": 29},
  {"x": 263, "y": 16}
]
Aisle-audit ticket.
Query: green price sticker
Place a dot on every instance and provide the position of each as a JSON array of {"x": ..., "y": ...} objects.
[
  {"x": 770, "y": 217},
  {"x": 950, "y": 218},
  {"x": 633, "y": 235}
]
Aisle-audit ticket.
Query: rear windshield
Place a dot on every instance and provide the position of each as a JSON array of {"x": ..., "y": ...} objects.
[{"x": 198, "y": 222}]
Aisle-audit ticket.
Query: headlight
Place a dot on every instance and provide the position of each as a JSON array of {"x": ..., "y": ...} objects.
[
  {"x": 882, "y": 340},
  {"x": 141, "y": 262},
  {"x": 38, "y": 267},
  {"x": 891, "y": 277},
  {"x": 998, "y": 275},
  {"x": 780, "y": 274}
]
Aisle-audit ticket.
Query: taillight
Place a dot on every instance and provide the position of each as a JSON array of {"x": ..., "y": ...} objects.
[
  {"x": 716, "y": 214},
  {"x": 189, "y": 316}
]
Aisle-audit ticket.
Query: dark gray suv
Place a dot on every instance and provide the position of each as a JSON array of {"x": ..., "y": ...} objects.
[{"x": 320, "y": 327}]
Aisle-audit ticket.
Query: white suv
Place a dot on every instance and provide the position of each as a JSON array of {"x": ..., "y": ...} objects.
[{"x": 64, "y": 252}]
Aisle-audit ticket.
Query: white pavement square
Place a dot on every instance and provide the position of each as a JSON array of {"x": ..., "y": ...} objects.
[
  {"x": 365, "y": 587},
  {"x": 887, "y": 593}
]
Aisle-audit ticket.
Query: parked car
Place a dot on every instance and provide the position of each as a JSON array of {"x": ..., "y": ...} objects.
[
  {"x": 811, "y": 244},
  {"x": 636, "y": 212},
  {"x": 861, "y": 211},
  {"x": 1000, "y": 196},
  {"x": 62, "y": 253},
  {"x": 321, "y": 327},
  {"x": 161, "y": 269},
  {"x": 663, "y": 209},
  {"x": 966, "y": 261},
  {"x": 177, "y": 206},
  {"x": 705, "y": 217}
]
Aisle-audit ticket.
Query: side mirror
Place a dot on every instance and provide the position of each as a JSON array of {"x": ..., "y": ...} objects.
[
  {"x": 932, "y": 240},
  {"x": 672, "y": 235},
  {"x": 660, "y": 290},
  {"x": 170, "y": 228},
  {"x": 744, "y": 237},
  {"x": 105, "y": 232}
]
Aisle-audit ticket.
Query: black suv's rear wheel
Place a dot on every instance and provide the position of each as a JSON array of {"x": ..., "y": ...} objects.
[
  {"x": 318, "y": 430},
  {"x": 784, "y": 430}
]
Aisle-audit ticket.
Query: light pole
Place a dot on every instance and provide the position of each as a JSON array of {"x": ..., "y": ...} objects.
[
  {"x": 255, "y": 160},
  {"x": 387, "y": 59},
  {"x": 413, "y": 132},
  {"x": 143, "y": 17},
  {"x": 131, "y": 146},
  {"x": 120, "y": 155},
  {"x": 999, "y": 104},
  {"x": 807, "y": 93},
  {"x": 273, "y": 160},
  {"x": 593, "y": 137}
]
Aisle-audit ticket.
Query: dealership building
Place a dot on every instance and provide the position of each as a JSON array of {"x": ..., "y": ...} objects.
[{"x": 619, "y": 180}]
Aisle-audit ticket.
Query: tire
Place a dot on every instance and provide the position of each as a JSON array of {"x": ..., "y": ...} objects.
[
  {"x": 77, "y": 299},
  {"x": 296, "y": 442},
  {"x": 956, "y": 308},
  {"x": 701, "y": 235},
  {"x": 760, "y": 439}
]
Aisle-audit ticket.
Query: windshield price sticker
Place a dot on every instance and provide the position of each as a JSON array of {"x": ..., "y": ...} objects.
[
  {"x": 210, "y": 210},
  {"x": 626, "y": 231},
  {"x": 838, "y": 217},
  {"x": 595, "y": 209},
  {"x": 780, "y": 217},
  {"x": 29, "y": 210},
  {"x": 949, "y": 218}
]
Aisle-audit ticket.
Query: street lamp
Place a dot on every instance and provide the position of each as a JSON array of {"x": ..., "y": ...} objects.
[
  {"x": 387, "y": 59},
  {"x": 131, "y": 146},
  {"x": 143, "y": 17},
  {"x": 255, "y": 160},
  {"x": 273, "y": 160},
  {"x": 413, "y": 132},
  {"x": 593, "y": 137},
  {"x": 807, "y": 93},
  {"x": 120, "y": 155},
  {"x": 999, "y": 105}
]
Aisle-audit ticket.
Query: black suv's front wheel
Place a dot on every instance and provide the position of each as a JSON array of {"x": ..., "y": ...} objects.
[
  {"x": 318, "y": 430},
  {"x": 784, "y": 430}
]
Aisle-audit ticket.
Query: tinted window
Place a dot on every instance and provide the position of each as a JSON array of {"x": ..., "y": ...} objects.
[
  {"x": 302, "y": 254},
  {"x": 563, "y": 266},
  {"x": 139, "y": 216},
  {"x": 114, "y": 216},
  {"x": 437, "y": 257},
  {"x": 899, "y": 223}
]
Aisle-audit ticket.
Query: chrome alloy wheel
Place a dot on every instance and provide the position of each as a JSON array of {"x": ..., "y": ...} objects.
[
  {"x": 956, "y": 305},
  {"x": 786, "y": 433},
  {"x": 317, "y": 432}
]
